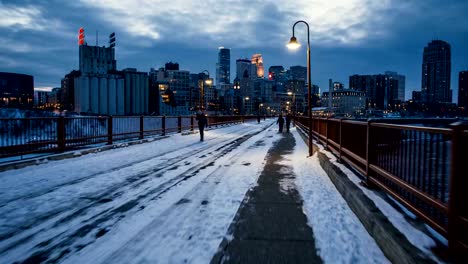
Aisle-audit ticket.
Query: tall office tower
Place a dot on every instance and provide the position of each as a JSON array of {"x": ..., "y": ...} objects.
[
  {"x": 298, "y": 73},
  {"x": 275, "y": 72},
  {"x": 463, "y": 89},
  {"x": 223, "y": 67},
  {"x": 257, "y": 60},
  {"x": 243, "y": 68},
  {"x": 436, "y": 69},
  {"x": 399, "y": 93}
]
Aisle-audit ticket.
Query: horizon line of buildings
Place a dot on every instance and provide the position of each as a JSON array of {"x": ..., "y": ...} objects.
[{"x": 99, "y": 88}]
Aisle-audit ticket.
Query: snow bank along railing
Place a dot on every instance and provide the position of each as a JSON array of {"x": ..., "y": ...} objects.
[
  {"x": 424, "y": 168},
  {"x": 20, "y": 136}
]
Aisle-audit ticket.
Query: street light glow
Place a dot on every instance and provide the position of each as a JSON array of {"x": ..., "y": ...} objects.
[
  {"x": 208, "y": 81},
  {"x": 293, "y": 44}
]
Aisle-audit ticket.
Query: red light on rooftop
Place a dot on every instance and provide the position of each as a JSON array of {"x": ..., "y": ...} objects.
[{"x": 81, "y": 36}]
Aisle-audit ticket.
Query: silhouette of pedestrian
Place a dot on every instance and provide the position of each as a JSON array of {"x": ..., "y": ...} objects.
[
  {"x": 280, "y": 121},
  {"x": 258, "y": 118},
  {"x": 288, "y": 122},
  {"x": 202, "y": 123}
]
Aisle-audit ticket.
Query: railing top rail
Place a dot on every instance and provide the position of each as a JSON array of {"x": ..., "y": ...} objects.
[
  {"x": 446, "y": 131},
  {"x": 354, "y": 122},
  {"x": 27, "y": 118}
]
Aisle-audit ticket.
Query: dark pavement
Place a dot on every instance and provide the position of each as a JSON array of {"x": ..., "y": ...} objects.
[{"x": 270, "y": 226}]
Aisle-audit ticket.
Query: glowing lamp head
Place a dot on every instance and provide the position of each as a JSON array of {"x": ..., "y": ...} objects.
[
  {"x": 293, "y": 44},
  {"x": 208, "y": 81}
]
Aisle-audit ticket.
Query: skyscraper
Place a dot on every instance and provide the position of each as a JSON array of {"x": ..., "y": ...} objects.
[
  {"x": 275, "y": 72},
  {"x": 384, "y": 91},
  {"x": 436, "y": 69},
  {"x": 243, "y": 68},
  {"x": 257, "y": 60},
  {"x": 299, "y": 73},
  {"x": 223, "y": 67},
  {"x": 399, "y": 93},
  {"x": 463, "y": 89}
]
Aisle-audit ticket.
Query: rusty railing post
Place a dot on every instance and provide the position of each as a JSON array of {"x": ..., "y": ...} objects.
[
  {"x": 457, "y": 197},
  {"x": 163, "y": 125},
  {"x": 179, "y": 124},
  {"x": 327, "y": 123},
  {"x": 61, "y": 133},
  {"x": 340, "y": 143},
  {"x": 369, "y": 151},
  {"x": 109, "y": 130},
  {"x": 141, "y": 127}
]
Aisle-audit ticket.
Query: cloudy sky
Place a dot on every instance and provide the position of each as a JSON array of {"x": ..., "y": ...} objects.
[{"x": 347, "y": 36}]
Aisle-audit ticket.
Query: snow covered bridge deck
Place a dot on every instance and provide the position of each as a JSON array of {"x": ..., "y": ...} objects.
[{"x": 244, "y": 194}]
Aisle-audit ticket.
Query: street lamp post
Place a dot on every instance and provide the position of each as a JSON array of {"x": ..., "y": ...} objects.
[
  {"x": 202, "y": 87},
  {"x": 244, "y": 105},
  {"x": 236, "y": 89},
  {"x": 293, "y": 44},
  {"x": 293, "y": 94}
]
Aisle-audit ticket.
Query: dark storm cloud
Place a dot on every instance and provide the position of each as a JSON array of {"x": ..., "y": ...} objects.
[{"x": 348, "y": 37}]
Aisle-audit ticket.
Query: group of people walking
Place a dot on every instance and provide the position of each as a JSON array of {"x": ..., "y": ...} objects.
[
  {"x": 281, "y": 121},
  {"x": 203, "y": 122}
]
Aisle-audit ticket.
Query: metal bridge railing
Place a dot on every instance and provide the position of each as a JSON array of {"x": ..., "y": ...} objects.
[
  {"x": 21, "y": 136},
  {"x": 424, "y": 168}
]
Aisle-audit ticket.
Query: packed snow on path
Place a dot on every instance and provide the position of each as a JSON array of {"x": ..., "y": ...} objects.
[
  {"x": 339, "y": 235},
  {"x": 168, "y": 201}
]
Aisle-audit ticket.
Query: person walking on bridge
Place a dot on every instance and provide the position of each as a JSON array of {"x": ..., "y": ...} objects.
[
  {"x": 280, "y": 121},
  {"x": 202, "y": 123},
  {"x": 288, "y": 121}
]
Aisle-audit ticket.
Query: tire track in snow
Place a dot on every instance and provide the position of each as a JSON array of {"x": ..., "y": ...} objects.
[{"x": 52, "y": 250}]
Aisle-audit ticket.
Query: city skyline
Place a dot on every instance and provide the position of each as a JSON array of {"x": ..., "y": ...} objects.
[{"x": 360, "y": 37}]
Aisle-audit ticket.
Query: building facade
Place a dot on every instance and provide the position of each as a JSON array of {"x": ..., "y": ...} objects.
[
  {"x": 16, "y": 90},
  {"x": 298, "y": 73},
  {"x": 257, "y": 60},
  {"x": 347, "y": 102},
  {"x": 223, "y": 66},
  {"x": 176, "y": 93},
  {"x": 384, "y": 91},
  {"x": 99, "y": 88},
  {"x": 436, "y": 70}
]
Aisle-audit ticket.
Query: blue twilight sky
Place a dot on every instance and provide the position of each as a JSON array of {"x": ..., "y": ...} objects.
[{"x": 347, "y": 36}]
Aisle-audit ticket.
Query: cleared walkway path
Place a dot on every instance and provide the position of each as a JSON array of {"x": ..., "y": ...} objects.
[{"x": 270, "y": 226}]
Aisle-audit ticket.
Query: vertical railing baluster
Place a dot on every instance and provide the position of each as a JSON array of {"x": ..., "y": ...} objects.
[
  {"x": 424, "y": 174},
  {"x": 109, "y": 130},
  {"x": 61, "y": 134},
  {"x": 437, "y": 160},
  {"x": 179, "y": 124},
  {"x": 413, "y": 159},
  {"x": 339, "y": 158},
  {"x": 142, "y": 128},
  {"x": 444, "y": 182},
  {"x": 429, "y": 174}
]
